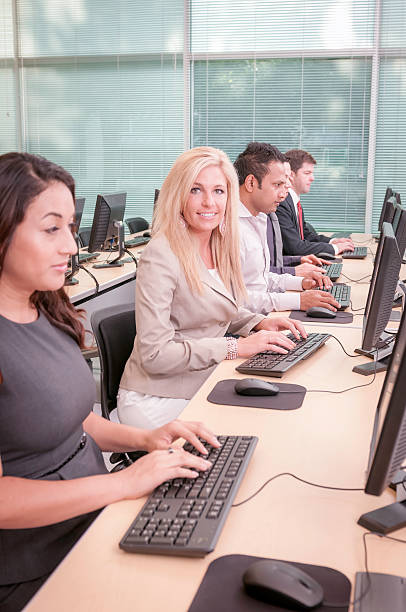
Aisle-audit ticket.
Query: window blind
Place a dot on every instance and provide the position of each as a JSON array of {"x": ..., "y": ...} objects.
[
  {"x": 227, "y": 26},
  {"x": 293, "y": 74},
  {"x": 102, "y": 86}
]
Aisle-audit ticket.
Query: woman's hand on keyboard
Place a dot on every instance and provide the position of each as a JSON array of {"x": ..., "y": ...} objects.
[
  {"x": 162, "y": 438},
  {"x": 264, "y": 340},
  {"x": 153, "y": 469},
  {"x": 282, "y": 323}
]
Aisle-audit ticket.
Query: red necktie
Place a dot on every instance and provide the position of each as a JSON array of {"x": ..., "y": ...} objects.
[{"x": 300, "y": 219}]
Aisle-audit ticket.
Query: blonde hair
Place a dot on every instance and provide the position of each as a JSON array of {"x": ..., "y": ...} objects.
[{"x": 168, "y": 219}]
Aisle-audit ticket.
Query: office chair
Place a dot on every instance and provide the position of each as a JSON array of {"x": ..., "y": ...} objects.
[
  {"x": 137, "y": 224},
  {"x": 114, "y": 332},
  {"x": 84, "y": 236}
]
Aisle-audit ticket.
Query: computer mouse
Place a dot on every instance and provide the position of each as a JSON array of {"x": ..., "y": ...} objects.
[
  {"x": 254, "y": 386},
  {"x": 329, "y": 256},
  {"x": 282, "y": 584},
  {"x": 318, "y": 312},
  {"x": 147, "y": 234}
]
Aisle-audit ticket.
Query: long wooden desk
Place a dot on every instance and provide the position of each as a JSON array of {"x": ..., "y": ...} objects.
[
  {"x": 326, "y": 441},
  {"x": 116, "y": 284}
]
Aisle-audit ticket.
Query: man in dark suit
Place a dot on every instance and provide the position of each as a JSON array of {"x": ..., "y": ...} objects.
[{"x": 299, "y": 237}]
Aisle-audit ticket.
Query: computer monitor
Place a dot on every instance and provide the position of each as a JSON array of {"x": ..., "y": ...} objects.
[
  {"x": 79, "y": 206},
  {"x": 376, "y": 343},
  {"x": 107, "y": 228},
  {"x": 399, "y": 224},
  {"x": 386, "y": 215},
  {"x": 74, "y": 259},
  {"x": 388, "y": 443}
]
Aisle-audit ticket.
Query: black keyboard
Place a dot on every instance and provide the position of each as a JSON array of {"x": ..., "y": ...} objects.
[
  {"x": 357, "y": 253},
  {"x": 333, "y": 270},
  {"x": 84, "y": 257},
  {"x": 270, "y": 363},
  {"x": 342, "y": 293},
  {"x": 184, "y": 517},
  {"x": 137, "y": 241}
]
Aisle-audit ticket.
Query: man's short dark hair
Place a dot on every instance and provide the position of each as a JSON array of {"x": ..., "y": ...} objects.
[
  {"x": 255, "y": 159},
  {"x": 298, "y": 157}
]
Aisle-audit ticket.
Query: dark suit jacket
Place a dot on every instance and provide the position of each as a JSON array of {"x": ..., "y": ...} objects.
[{"x": 292, "y": 242}]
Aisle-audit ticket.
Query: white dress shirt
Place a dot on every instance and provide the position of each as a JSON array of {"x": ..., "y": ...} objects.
[
  {"x": 266, "y": 290},
  {"x": 296, "y": 199}
]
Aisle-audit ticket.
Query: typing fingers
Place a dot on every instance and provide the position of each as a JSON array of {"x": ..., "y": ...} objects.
[{"x": 192, "y": 431}]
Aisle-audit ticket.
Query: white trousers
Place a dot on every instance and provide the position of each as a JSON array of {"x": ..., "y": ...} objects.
[{"x": 147, "y": 411}]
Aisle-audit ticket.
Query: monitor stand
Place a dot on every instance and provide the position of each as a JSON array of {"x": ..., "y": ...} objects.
[
  {"x": 375, "y": 592},
  {"x": 389, "y": 518},
  {"x": 381, "y": 354},
  {"x": 118, "y": 261},
  {"x": 69, "y": 278}
]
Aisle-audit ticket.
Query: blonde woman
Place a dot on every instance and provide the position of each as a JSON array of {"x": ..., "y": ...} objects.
[{"x": 189, "y": 287}]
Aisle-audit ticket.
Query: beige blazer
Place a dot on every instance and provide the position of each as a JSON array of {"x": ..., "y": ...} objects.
[{"x": 180, "y": 334}]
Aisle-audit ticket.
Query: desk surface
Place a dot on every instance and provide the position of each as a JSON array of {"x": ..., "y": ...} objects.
[
  {"x": 326, "y": 441},
  {"x": 107, "y": 278}
]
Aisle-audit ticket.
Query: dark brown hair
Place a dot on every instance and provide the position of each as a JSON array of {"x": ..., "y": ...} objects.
[
  {"x": 255, "y": 160},
  {"x": 298, "y": 157},
  {"x": 22, "y": 178}
]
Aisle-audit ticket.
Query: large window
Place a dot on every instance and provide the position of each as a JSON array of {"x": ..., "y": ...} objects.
[
  {"x": 101, "y": 92},
  {"x": 316, "y": 104},
  {"x": 115, "y": 91},
  {"x": 312, "y": 74}
]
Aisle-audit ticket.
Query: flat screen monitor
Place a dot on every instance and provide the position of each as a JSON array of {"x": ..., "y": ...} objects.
[
  {"x": 399, "y": 224},
  {"x": 107, "y": 228},
  {"x": 74, "y": 259},
  {"x": 386, "y": 212},
  {"x": 388, "y": 442},
  {"x": 79, "y": 206},
  {"x": 376, "y": 343}
]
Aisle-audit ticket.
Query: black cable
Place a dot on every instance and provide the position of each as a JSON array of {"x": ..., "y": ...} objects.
[
  {"x": 368, "y": 241},
  {"x": 368, "y": 586},
  {"x": 312, "y": 484},
  {"x": 364, "y": 536},
  {"x": 356, "y": 309},
  {"x": 357, "y": 281},
  {"x": 132, "y": 256},
  {"x": 355, "y": 386},
  {"x": 340, "y": 343},
  {"x": 342, "y": 390},
  {"x": 82, "y": 267}
]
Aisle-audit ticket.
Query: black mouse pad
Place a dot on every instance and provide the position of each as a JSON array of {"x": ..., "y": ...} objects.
[
  {"x": 341, "y": 317},
  {"x": 290, "y": 397},
  {"x": 221, "y": 589}
]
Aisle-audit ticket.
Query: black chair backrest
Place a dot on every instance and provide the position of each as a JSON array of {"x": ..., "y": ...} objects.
[
  {"x": 137, "y": 224},
  {"x": 114, "y": 331},
  {"x": 84, "y": 236}
]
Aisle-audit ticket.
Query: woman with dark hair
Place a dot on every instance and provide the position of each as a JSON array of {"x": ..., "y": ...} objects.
[{"x": 53, "y": 481}]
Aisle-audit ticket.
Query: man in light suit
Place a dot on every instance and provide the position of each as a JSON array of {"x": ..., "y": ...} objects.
[{"x": 299, "y": 237}]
